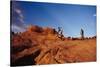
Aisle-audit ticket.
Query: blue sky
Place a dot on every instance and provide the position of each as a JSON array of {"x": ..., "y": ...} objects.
[{"x": 68, "y": 16}]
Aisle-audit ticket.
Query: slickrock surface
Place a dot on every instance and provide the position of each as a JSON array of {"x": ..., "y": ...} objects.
[{"x": 40, "y": 45}]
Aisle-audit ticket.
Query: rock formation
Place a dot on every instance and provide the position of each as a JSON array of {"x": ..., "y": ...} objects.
[{"x": 39, "y": 45}]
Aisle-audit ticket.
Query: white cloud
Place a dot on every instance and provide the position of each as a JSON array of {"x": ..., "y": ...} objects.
[
  {"x": 21, "y": 20},
  {"x": 17, "y": 23},
  {"x": 94, "y": 15},
  {"x": 17, "y": 18},
  {"x": 16, "y": 28},
  {"x": 19, "y": 12}
]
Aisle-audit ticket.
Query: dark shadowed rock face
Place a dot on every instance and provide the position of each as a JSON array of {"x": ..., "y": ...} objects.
[
  {"x": 25, "y": 57},
  {"x": 19, "y": 43}
]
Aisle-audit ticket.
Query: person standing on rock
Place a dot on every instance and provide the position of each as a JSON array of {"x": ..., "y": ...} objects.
[{"x": 82, "y": 34}]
